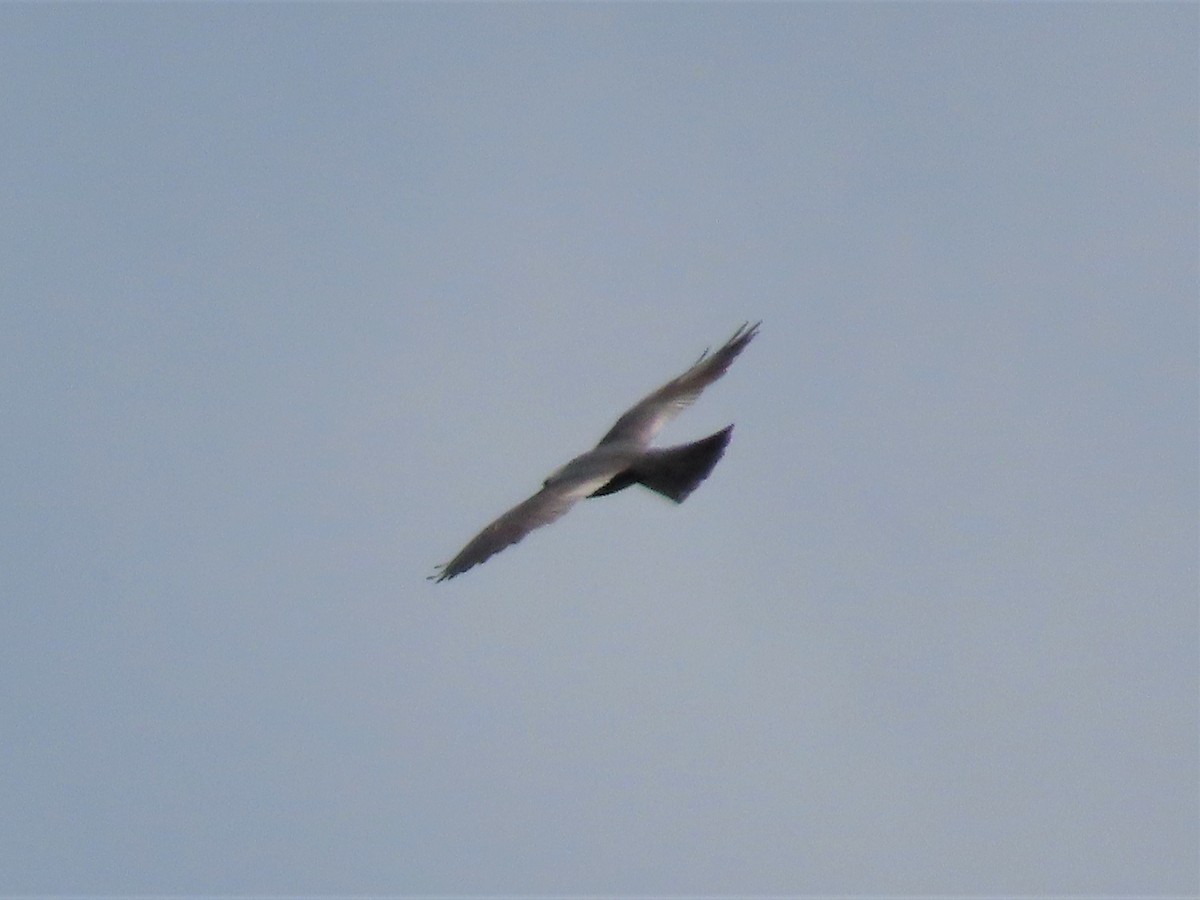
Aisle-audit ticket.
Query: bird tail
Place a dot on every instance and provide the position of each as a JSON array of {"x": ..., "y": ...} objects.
[{"x": 677, "y": 471}]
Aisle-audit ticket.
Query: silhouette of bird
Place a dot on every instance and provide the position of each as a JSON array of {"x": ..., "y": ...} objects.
[{"x": 623, "y": 457}]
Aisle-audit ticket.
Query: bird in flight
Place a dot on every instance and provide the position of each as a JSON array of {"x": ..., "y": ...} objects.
[{"x": 623, "y": 457}]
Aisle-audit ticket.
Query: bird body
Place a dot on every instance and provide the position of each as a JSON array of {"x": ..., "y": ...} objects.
[
  {"x": 603, "y": 461},
  {"x": 623, "y": 458}
]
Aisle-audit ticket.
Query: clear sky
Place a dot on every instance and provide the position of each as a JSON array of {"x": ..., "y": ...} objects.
[{"x": 296, "y": 298}]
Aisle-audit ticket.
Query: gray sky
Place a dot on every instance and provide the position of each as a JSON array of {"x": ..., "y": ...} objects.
[{"x": 298, "y": 297}]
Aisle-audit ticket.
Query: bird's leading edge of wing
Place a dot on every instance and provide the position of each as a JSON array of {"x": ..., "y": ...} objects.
[
  {"x": 544, "y": 507},
  {"x": 644, "y": 420}
]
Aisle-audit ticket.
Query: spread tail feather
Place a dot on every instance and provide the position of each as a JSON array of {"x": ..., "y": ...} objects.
[{"x": 677, "y": 471}]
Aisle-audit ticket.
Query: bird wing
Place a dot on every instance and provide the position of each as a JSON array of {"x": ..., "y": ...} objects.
[
  {"x": 643, "y": 421},
  {"x": 544, "y": 507}
]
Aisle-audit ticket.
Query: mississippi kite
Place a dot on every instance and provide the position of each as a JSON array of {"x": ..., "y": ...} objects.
[{"x": 622, "y": 458}]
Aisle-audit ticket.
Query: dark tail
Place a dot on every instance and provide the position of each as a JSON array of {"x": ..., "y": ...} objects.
[{"x": 677, "y": 471}]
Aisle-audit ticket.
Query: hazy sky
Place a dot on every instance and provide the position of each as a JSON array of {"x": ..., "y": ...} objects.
[{"x": 296, "y": 298}]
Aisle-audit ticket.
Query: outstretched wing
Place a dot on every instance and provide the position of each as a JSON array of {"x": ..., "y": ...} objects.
[
  {"x": 641, "y": 423},
  {"x": 544, "y": 507}
]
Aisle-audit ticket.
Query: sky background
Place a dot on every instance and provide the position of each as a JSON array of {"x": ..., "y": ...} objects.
[{"x": 296, "y": 298}]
